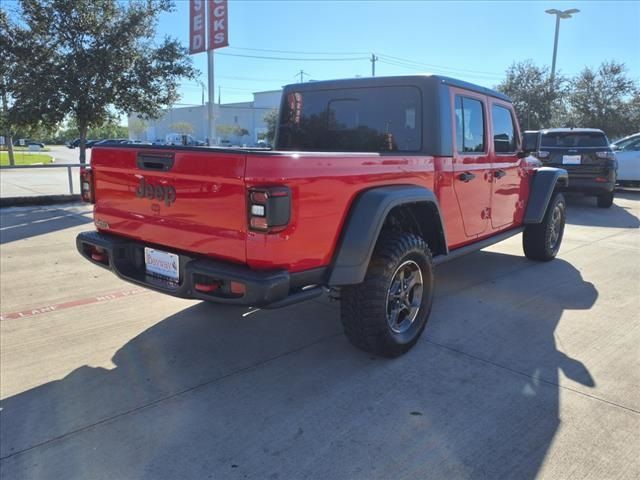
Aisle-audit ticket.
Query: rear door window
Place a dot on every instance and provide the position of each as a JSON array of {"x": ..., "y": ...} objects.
[
  {"x": 504, "y": 138},
  {"x": 470, "y": 126},
  {"x": 387, "y": 119}
]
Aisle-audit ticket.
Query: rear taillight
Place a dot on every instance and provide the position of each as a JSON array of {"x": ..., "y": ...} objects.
[
  {"x": 269, "y": 209},
  {"x": 606, "y": 155},
  {"x": 86, "y": 185}
]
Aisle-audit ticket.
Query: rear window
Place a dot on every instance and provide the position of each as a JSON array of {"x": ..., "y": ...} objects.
[
  {"x": 387, "y": 119},
  {"x": 574, "y": 139}
]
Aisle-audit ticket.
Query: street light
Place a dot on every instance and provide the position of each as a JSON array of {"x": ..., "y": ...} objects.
[{"x": 559, "y": 14}]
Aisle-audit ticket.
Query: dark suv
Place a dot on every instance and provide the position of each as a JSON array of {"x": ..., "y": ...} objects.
[{"x": 584, "y": 152}]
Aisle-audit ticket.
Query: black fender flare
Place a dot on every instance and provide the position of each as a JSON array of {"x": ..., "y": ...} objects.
[
  {"x": 364, "y": 223},
  {"x": 543, "y": 184}
]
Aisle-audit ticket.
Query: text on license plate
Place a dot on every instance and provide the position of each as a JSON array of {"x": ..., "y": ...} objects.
[
  {"x": 571, "y": 159},
  {"x": 163, "y": 264}
]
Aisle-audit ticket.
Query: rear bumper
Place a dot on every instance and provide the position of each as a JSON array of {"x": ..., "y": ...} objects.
[
  {"x": 592, "y": 184},
  {"x": 272, "y": 289}
]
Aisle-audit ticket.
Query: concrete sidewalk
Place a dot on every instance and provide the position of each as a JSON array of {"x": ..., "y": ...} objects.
[{"x": 526, "y": 370}]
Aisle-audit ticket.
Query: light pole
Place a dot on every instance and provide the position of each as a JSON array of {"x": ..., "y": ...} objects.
[{"x": 559, "y": 14}]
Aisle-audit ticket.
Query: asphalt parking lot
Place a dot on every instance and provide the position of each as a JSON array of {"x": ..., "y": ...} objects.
[{"x": 526, "y": 370}]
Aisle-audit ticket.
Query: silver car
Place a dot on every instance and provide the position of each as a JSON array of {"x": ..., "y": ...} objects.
[{"x": 627, "y": 152}]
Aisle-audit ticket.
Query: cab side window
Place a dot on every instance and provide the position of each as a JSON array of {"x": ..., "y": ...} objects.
[
  {"x": 504, "y": 138},
  {"x": 470, "y": 126}
]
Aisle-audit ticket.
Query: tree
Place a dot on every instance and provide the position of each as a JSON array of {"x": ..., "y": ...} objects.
[
  {"x": 538, "y": 102},
  {"x": 93, "y": 60},
  {"x": 605, "y": 98},
  {"x": 8, "y": 62},
  {"x": 235, "y": 130},
  {"x": 184, "y": 128},
  {"x": 634, "y": 106},
  {"x": 271, "y": 120},
  {"x": 137, "y": 127}
]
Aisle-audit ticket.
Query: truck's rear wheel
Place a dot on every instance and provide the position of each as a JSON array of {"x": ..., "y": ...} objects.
[
  {"x": 541, "y": 241},
  {"x": 386, "y": 313}
]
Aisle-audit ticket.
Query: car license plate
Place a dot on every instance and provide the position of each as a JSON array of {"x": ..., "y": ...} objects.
[
  {"x": 571, "y": 159},
  {"x": 162, "y": 264}
]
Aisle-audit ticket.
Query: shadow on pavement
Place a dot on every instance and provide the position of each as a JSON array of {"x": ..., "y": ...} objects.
[
  {"x": 590, "y": 215},
  {"x": 21, "y": 223},
  {"x": 282, "y": 394}
]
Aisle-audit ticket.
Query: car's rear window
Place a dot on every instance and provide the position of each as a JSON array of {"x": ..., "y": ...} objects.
[
  {"x": 574, "y": 139},
  {"x": 387, "y": 119}
]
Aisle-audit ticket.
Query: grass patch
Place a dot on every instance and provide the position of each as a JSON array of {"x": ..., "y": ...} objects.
[
  {"x": 25, "y": 158},
  {"x": 23, "y": 149}
]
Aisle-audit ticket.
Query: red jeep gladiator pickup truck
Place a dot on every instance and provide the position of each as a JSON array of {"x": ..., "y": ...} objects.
[{"x": 371, "y": 182}]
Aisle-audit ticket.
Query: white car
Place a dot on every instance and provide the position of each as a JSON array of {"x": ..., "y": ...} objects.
[{"x": 628, "y": 156}]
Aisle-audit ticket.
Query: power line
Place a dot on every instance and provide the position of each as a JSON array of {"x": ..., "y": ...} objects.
[
  {"x": 238, "y": 89},
  {"x": 442, "y": 69},
  {"x": 388, "y": 59},
  {"x": 430, "y": 65},
  {"x": 233, "y": 77},
  {"x": 260, "y": 57},
  {"x": 298, "y": 52},
  {"x": 437, "y": 69}
]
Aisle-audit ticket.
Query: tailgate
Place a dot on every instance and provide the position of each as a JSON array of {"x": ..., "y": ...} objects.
[
  {"x": 577, "y": 160},
  {"x": 186, "y": 200}
]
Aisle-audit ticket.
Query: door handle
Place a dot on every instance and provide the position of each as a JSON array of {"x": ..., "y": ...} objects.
[
  {"x": 499, "y": 173},
  {"x": 466, "y": 177}
]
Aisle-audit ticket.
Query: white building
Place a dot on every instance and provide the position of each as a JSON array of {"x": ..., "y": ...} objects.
[{"x": 245, "y": 115}]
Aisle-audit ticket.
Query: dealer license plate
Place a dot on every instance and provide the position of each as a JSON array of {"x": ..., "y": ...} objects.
[
  {"x": 162, "y": 264},
  {"x": 571, "y": 159}
]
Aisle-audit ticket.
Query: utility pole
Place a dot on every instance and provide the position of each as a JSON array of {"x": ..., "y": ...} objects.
[
  {"x": 212, "y": 120},
  {"x": 302, "y": 74},
  {"x": 373, "y": 60},
  {"x": 555, "y": 48},
  {"x": 219, "y": 95},
  {"x": 212, "y": 91},
  {"x": 559, "y": 15}
]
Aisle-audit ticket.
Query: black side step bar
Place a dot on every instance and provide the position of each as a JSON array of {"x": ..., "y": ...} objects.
[
  {"x": 296, "y": 297},
  {"x": 487, "y": 242}
]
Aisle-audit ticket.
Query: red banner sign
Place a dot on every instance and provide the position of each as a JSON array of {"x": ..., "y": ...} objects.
[
  {"x": 197, "y": 24},
  {"x": 218, "y": 24}
]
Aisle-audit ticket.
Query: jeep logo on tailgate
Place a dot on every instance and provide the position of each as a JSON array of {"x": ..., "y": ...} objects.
[{"x": 156, "y": 192}]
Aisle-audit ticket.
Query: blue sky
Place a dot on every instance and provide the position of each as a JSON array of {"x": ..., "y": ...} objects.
[{"x": 475, "y": 41}]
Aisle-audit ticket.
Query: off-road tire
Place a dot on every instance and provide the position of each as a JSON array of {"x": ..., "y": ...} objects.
[
  {"x": 365, "y": 307},
  {"x": 541, "y": 241},
  {"x": 605, "y": 200}
]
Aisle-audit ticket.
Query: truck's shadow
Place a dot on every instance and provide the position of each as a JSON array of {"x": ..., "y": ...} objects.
[
  {"x": 283, "y": 395},
  {"x": 21, "y": 223},
  {"x": 582, "y": 210}
]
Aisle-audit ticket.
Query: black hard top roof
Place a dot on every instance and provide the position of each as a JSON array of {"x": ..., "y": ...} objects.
[{"x": 395, "y": 80}]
